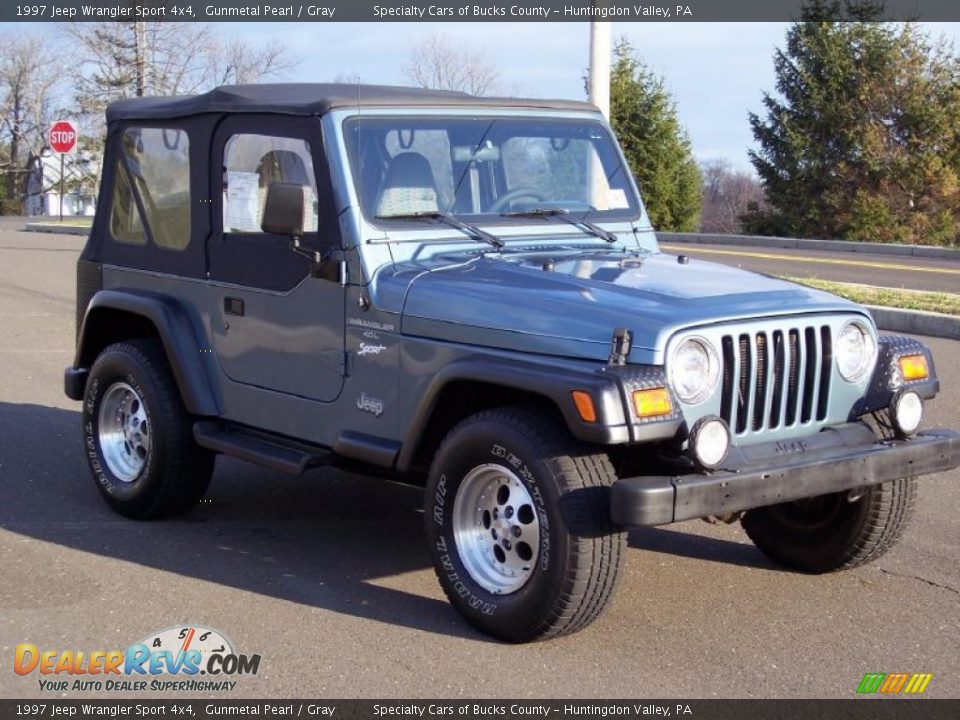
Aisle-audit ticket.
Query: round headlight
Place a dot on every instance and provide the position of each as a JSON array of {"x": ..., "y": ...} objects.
[
  {"x": 856, "y": 351},
  {"x": 694, "y": 370}
]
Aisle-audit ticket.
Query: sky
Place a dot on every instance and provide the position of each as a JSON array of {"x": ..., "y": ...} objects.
[{"x": 716, "y": 72}]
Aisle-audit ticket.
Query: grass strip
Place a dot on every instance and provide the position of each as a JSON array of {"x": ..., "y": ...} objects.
[{"x": 939, "y": 302}]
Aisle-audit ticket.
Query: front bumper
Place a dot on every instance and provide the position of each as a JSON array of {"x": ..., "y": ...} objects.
[{"x": 833, "y": 460}]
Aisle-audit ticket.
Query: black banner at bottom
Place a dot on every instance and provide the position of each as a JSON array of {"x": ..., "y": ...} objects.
[{"x": 854, "y": 709}]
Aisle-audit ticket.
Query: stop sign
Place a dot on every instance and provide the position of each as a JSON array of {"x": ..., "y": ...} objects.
[{"x": 63, "y": 137}]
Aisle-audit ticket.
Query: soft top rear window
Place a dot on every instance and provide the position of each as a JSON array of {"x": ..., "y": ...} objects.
[{"x": 154, "y": 169}]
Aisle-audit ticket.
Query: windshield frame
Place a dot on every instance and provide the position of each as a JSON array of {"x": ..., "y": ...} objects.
[{"x": 632, "y": 215}]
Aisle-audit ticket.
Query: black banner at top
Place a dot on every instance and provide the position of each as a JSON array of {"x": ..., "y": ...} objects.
[
  {"x": 449, "y": 10},
  {"x": 192, "y": 709}
]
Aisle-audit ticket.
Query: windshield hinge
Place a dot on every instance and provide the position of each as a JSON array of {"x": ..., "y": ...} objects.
[{"x": 620, "y": 346}]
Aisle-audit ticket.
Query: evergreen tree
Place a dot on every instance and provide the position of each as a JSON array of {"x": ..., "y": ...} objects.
[
  {"x": 644, "y": 117},
  {"x": 863, "y": 140}
]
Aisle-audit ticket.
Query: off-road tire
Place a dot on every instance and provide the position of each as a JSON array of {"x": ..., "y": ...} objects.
[
  {"x": 176, "y": 471},
  {"x": 581, "y": 550},
  {"x": 854, "y": 534}
]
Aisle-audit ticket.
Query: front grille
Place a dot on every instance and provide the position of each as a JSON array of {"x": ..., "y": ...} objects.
[{"x": 776, "y": 379}]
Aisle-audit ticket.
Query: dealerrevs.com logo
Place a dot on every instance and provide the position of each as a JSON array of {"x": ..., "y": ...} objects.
[
  {"x": 894, "y": 683},
  {"x": 169, "y": 660}
]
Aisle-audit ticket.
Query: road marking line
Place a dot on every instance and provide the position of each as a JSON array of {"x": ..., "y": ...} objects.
[{"x": 823, "y": 261}]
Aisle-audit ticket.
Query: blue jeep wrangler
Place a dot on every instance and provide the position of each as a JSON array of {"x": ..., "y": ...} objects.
[{"x": 466, "y": 293}]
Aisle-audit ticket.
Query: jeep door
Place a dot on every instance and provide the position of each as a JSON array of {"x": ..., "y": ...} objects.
[{"x": 274, "y": 325}]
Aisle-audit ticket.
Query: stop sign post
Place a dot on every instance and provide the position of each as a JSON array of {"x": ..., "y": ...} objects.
[{"x": 62, "y": 139}]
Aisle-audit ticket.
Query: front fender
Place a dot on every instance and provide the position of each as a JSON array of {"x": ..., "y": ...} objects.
[
  {"x": 608, "y": 387},
  {"x": 886, "y": 378}
]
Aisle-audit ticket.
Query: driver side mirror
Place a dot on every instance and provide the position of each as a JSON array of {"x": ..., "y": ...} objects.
[
  {"x": 283, "y": 215},
  {"x": 283, "y": 210}
]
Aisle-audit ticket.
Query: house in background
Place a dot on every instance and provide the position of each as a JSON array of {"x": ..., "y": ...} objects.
[{"x": 42, "y": 186}]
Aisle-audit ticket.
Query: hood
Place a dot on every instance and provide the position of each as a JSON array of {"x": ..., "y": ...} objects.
[{"x": 569, "y": 303}]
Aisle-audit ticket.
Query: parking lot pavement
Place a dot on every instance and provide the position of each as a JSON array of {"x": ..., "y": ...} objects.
[{"x": 327, "y": 576}]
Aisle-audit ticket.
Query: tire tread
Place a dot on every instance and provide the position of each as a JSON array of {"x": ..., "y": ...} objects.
[
  {"x": 186, "y": 467},
  {"x": 593, "y": 570},
  {"x": 890, "y": 508}
]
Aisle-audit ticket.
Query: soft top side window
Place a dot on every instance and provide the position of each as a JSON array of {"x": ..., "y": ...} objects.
[
  {"x": 251, "y": 163},
  {"x": 152, "y": 188}
]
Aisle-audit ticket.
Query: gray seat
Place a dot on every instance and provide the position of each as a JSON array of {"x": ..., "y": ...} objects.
[
  {"x": 282, "y": 166},
  {"x": 408, "y": 187}
]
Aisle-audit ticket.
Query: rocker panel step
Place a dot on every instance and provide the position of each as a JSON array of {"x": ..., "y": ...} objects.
[{"x": 275, "y": 452}]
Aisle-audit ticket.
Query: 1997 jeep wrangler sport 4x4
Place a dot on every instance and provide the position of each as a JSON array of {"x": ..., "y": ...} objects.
[{"x": 467, "y": 292}]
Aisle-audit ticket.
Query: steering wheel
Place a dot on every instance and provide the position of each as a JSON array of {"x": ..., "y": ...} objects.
[{"x": 521, "y": 192}]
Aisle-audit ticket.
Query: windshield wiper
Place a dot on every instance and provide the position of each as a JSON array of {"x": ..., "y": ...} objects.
[
  {"x": 566, "y": 216},
  {"x": 467, "y": 228}
]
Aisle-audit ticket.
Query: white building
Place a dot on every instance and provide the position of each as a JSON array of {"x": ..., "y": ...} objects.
[{"x": 81, "y": 172}]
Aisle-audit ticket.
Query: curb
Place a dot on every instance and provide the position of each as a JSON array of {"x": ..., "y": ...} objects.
[
  {"x": 57, "y": 228},
  {"x": 916, "y": 322},
  {"x": 926, "y": 251}
]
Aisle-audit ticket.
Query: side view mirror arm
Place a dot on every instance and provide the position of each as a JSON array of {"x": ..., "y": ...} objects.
[
  {"x": 331, "y": 266},
  {"x": 297, "y": 247}
]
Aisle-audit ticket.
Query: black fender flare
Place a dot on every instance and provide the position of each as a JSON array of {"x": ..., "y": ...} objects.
[
  {"x": 550, "y": 381},
  {"x": 886, "y": 380},
  {"x": 175, "y": 330}
]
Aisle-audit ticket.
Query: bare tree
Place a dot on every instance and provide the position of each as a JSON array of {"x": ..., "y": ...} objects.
[
  {"x": 727, "y": 195},
  {"x": 348, "y": 78},
  {"x": 127, "y": 59},
  {"x": 237, "y": 61},
  {"x": 436, "y": 62},
  {"x": 28, "y": 76},
  {"x": 118, "y": 60}
]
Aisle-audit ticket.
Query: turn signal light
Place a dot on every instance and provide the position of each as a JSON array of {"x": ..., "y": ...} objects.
[
  {"x": 914, "y": 367},
  {"x": 652, "y": 403},
  {"x": 584, "y": 403}
]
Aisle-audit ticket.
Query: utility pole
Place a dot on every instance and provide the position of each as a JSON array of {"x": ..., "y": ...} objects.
[
  {"x": 600, "y": 65},
  {"x": 599, "y": 96},
  {"x": 140, "y": 57}
]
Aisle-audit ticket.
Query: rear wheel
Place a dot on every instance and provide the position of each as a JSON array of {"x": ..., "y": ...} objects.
[
  {"x": 519, "y": 526},
  {"x": 138, "y": 435},
  {"x": 833, "y": 532}
]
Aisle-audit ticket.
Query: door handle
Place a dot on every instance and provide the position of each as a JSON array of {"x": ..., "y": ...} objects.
[{"x": 233, "y": 306}]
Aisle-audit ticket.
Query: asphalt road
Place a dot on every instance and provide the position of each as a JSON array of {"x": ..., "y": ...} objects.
[
  {"x": 327, "y": 576},
  {"x": 866, "y": 268}
]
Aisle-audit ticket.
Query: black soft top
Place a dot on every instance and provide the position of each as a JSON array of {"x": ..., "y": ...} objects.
[{"x": 316, "y": 99}]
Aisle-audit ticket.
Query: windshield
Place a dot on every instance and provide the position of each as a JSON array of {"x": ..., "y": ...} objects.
[{"x": 486, "y": 168}]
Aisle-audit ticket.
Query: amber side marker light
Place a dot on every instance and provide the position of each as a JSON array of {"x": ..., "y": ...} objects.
[
  {"x": 652, "y": 403},
  {"x": 584, "y": 403},
  {"x": 914, "y": 367}
]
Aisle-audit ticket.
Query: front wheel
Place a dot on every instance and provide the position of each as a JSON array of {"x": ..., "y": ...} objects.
[
  {"x": 519, "y": 527},
  {"x": 833, "y": 532}
]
